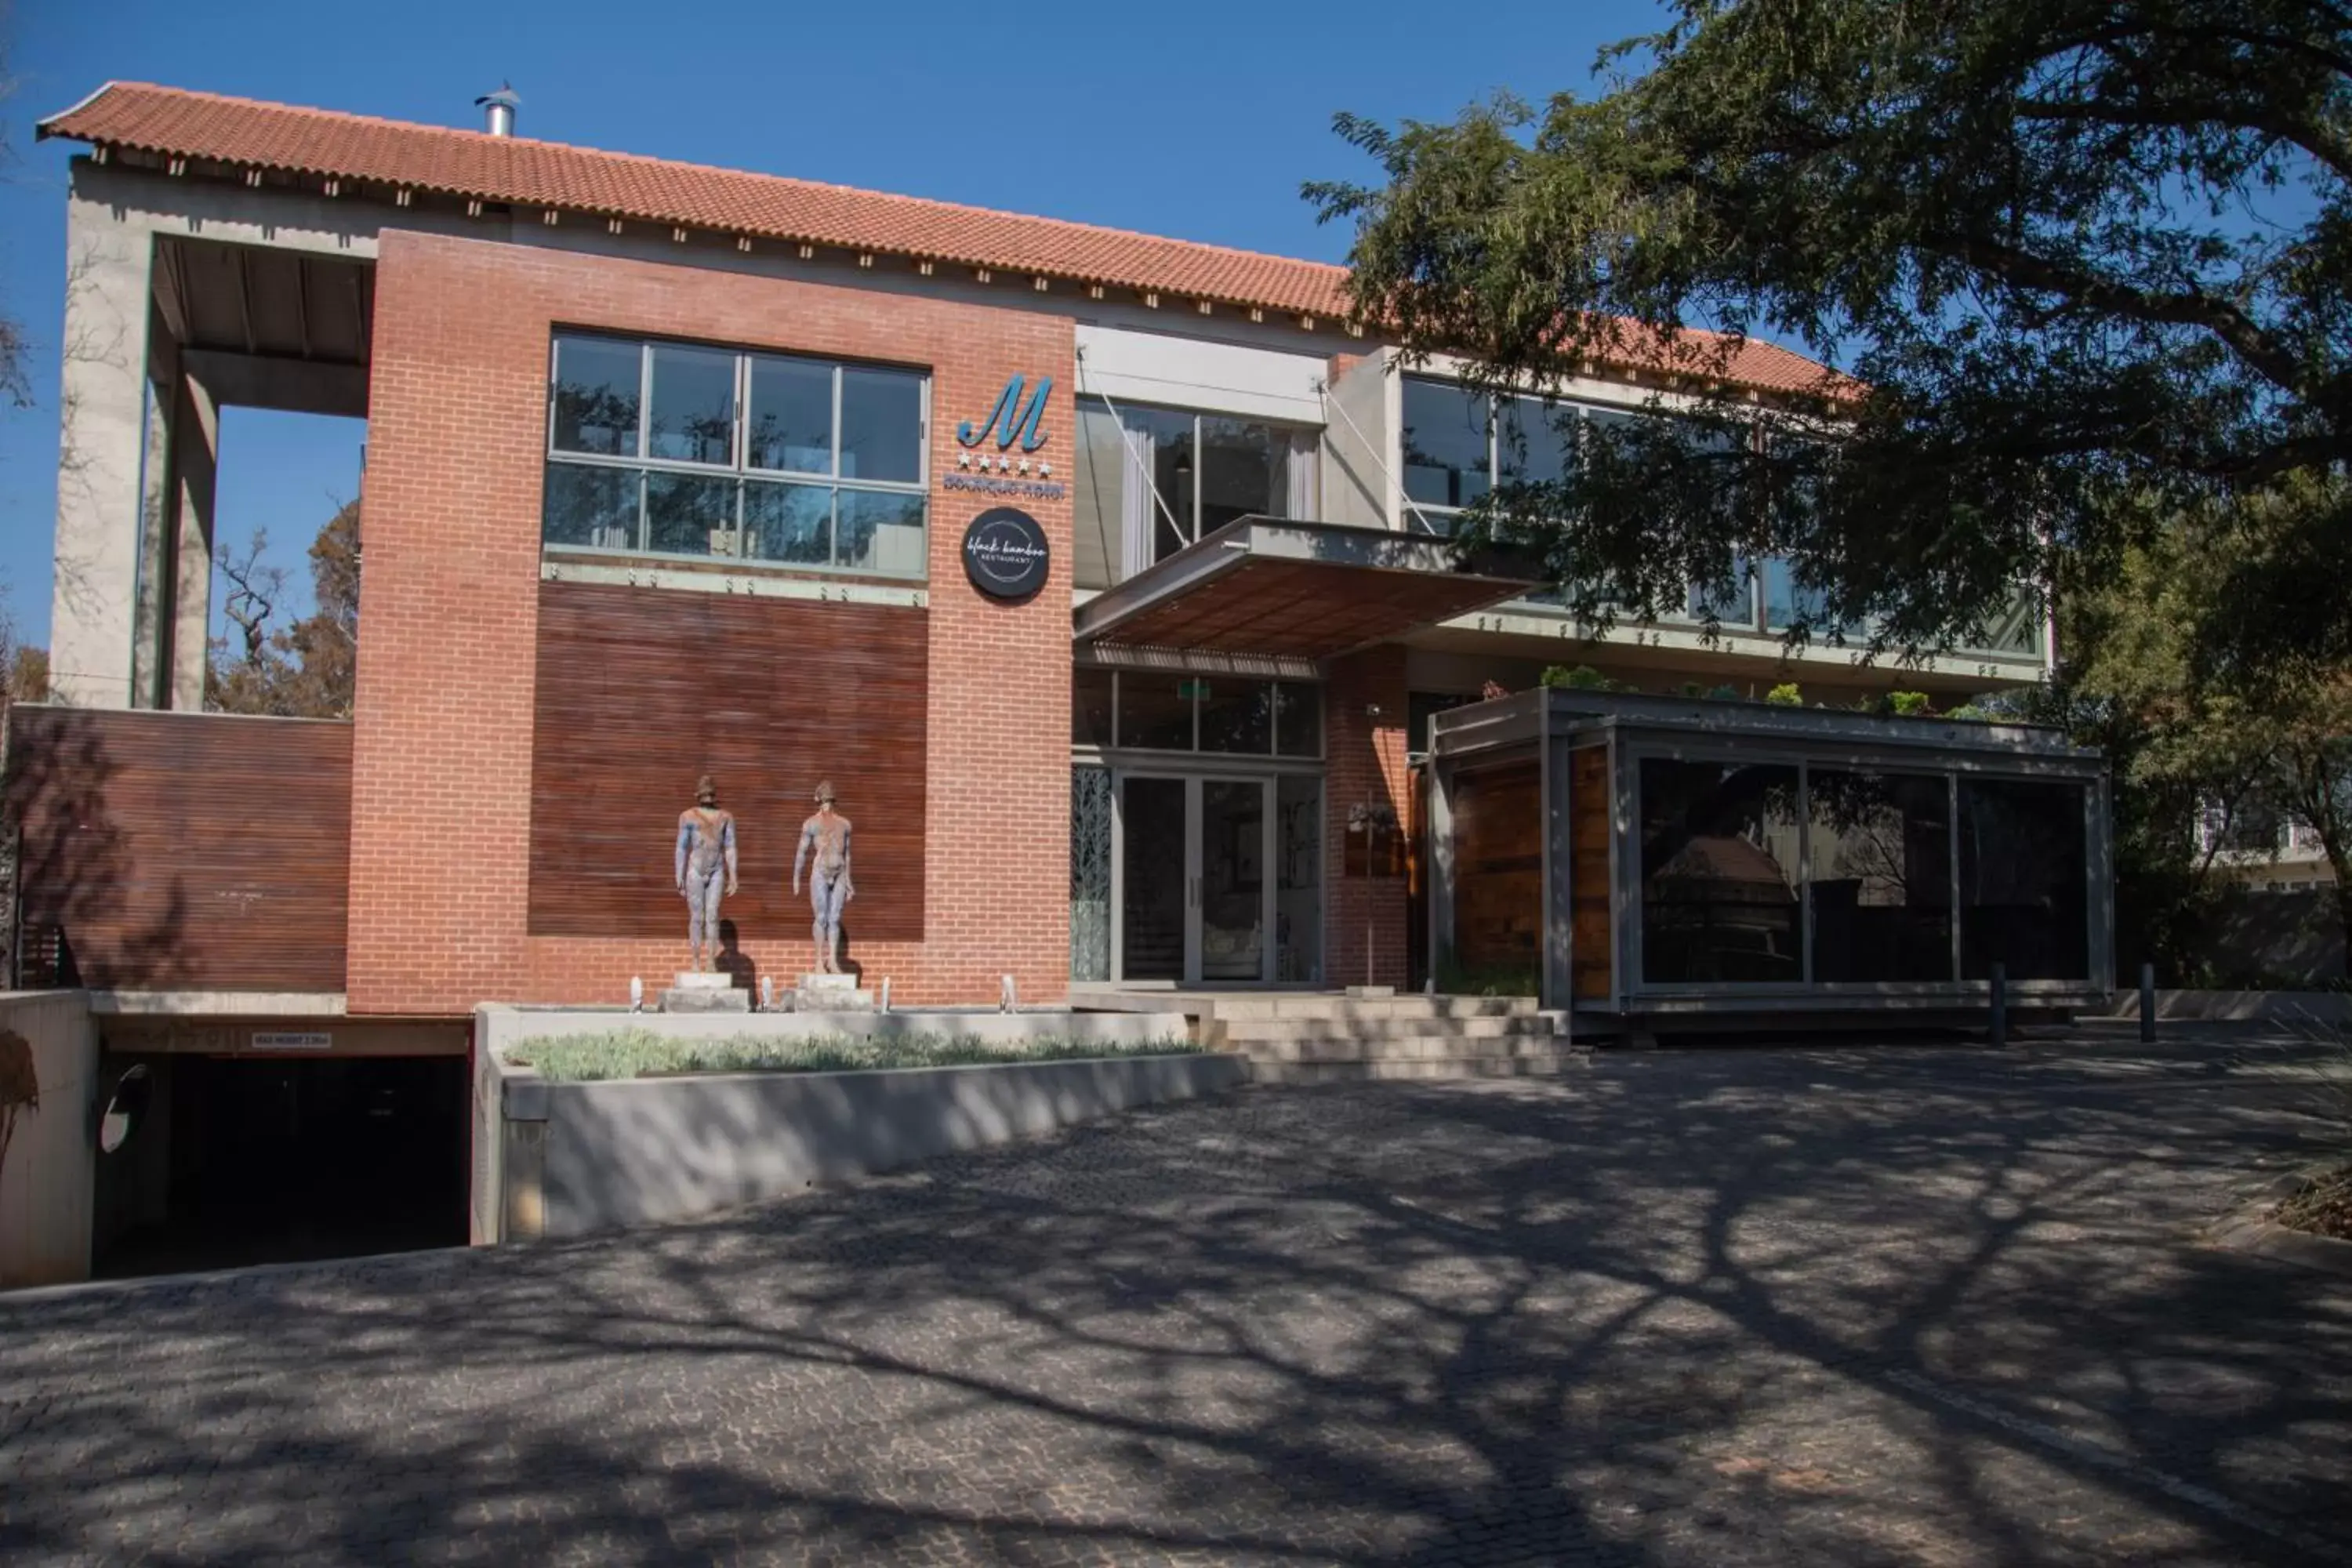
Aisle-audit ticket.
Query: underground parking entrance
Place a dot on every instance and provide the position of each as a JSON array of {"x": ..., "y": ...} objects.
[{"x": 289, "y": 1148}]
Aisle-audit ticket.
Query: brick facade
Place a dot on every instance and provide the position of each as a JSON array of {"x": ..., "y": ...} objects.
[
  {"x": 441, "y": 759},
  {"x": 1365, "y": 762}
]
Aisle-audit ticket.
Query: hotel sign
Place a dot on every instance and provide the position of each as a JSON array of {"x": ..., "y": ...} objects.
[
  {"x": 1016, "y": 418},
  {"x": 1005, "y": 553}
]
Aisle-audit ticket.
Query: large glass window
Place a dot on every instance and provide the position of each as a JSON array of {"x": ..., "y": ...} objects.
[
  {"x": 1149, "y": 482},
  {"x": 1447, "y": 444},
  {"x": 2023, "y": 899},
  {"x": 1720, "y": 873},
  {"x": 1880, "y": 848},
  {"x": 669, "y": 449},
  {"x": 1169, "y": 711}
]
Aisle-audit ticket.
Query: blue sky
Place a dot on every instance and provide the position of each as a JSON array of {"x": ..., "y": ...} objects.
[{"x": 1198, "y": 122}]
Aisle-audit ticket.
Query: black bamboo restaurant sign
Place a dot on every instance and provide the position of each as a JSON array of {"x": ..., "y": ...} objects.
[{"x": 1005, "y": 553}]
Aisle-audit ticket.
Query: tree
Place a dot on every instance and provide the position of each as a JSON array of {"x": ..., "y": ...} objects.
[
  {"x": 15, "y": 384},
  {"x": 2068, "y": 251},
  {"x": 306, "y": 670},
  {"x": 2198, "y": 730}
]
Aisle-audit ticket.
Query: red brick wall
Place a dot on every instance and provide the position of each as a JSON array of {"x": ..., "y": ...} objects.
[
  {"x": 441, "y": 755},
  {"x": 1364, "y": 756}
]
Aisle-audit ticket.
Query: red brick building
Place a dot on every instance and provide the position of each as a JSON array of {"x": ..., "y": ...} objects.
[{"x": 671, "y": 470}]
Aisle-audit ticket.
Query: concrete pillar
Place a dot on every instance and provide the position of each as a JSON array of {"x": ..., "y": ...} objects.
[
  {"x": 151, "y": 612},
  {"x": 195, "y": 469},
  {"x": 104, "y": 440}
]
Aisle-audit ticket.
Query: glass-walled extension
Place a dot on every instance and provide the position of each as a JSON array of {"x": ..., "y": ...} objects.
[
  {"x": 1646, "y": 854},
  {"x": 1150, "y": 481},
  {"x": 1196, "y": 829}
]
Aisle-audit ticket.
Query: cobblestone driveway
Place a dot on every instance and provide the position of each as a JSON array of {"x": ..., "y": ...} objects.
[{"x": 1896, "y": 1306}]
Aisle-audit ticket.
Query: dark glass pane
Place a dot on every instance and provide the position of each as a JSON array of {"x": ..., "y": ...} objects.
[
  {"x": 1244, "y": 470},
  {"x": 880, "y": 531},
  {"x": 596, "y": 394},
  {"x": 1719, "y": 899},
  {"x": 1166, "y": 441},
  {"x": 1155, "y": 711},
  {"x": 792, "y": 415},
  {"x": 2023, "y": 872},
  {"x": 1237, "y": 715},
  {"x": 688, "y": 514},
  {"x": 594, "y": 508},
  {"x": 882, "y": 426},
  {"x": 1538, "y": 442},
  {"x": 1090, "y": 699},
  {"x": 1298, "y": 885},
  {"x": 1233, "y": 879},
  {"x": 1882, "y": 876},
  {"x": 693, "y": 414},
  {"x": 1152, "y": 916},
  {"x": 790, "y": 523},
  {"x": 1732, "y": 603},
  {"x": 1446, "y": 457},
  {"x": 1298, "y": 718}
]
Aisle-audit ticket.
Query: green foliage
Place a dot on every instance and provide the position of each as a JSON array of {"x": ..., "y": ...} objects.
[
  {"x": 1582, "y": 677},
  {"x": 1693, "y": 689},
  {"x": 1489, "y": 980},
  {"x": 2067, "y": 252},
  {"x": 638, "y": 1052},
  {"x": 1786, "y": 695},
  {"x": 1909, "y": 704},
  {"x": 1726, "y": 693},
  {"x": 1973, "y": 712}
]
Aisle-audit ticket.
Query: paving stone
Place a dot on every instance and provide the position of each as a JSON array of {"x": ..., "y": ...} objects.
[{"x": 1865, "y": 1306}]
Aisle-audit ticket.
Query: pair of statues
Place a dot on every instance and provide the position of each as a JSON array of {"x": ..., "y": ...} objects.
[{"x": 705, "y": 867}]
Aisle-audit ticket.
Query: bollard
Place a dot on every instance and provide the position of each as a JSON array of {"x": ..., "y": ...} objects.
[
  {"x": 2147, "y": 1003},
  {"x": 886, "y": 993},
  {"x": 2000, "y": 1004},
  {"x": 637, "y": 993},
  {"x": 767, "y": 994},
  {"x": 1007, "y": 999}
]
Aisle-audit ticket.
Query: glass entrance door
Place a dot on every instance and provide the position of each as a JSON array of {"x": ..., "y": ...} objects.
[{"x": 1201, "y": 864}]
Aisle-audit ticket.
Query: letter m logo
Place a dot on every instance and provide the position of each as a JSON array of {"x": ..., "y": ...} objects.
[{"x": 1008, "y": 418}]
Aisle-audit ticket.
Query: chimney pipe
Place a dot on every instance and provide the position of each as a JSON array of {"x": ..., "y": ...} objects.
[{"x": 499, "y": 109}]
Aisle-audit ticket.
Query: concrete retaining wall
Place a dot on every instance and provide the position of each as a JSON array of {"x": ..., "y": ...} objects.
[
  {"x": 48, "y": 1181},
  {"x": 2245, "y": 1006},
  {"x": 499, "y": 1026},
  {"x": 582, "y": 1157}
]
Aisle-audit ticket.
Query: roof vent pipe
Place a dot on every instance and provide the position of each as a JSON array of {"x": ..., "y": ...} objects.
[{"x": 499, "y": 109}]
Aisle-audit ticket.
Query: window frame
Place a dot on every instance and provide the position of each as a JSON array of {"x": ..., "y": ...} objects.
[
  {"x": 1191, "y": 527},
  {"x": 740, "y": 471}
]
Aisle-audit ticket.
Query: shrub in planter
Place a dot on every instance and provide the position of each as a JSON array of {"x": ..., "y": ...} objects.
[{"x": 1785, "y": 695}]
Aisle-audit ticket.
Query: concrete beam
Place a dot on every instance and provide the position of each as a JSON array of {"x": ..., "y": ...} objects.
[{"x": 291, "y": 386}]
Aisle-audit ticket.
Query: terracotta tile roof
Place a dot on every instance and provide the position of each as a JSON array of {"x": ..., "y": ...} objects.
[{"x": 173, "y": 122}]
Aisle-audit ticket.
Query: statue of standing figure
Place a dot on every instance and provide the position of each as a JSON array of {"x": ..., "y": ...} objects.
[
  {"x": 825, "y": 839},
  {"x": 705, "y": 864}
]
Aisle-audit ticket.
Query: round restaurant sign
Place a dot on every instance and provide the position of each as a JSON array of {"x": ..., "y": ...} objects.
[{"x": 1004, "y": 553}]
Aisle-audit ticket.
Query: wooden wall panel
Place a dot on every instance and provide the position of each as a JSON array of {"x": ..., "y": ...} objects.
[
  {"x": 1590, "y": 897},
  {"x": 641, "y": 691},
  {"x": 187, "y": 851},
  {"x": 1498, "y": 867}
]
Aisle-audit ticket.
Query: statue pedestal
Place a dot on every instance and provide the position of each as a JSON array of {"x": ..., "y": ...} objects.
[
  {"x": 831, "y": 994},
  {"x": 705, "y": 993}
]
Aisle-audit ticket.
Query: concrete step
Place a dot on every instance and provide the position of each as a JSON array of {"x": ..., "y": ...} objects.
[
  {"x": 1233, "y": 1009},
  {"x": 1247, "y": 1031},
  {"x": 1433, "y": 1069},
  {"x": 1411, "y": 1048}
]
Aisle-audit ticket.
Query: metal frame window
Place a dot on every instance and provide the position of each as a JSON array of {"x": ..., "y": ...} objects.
[
  {"x": 653, "y": 475},
  {"x": 1197, "y": 715},
  {"x": 1191, "y": 491}
]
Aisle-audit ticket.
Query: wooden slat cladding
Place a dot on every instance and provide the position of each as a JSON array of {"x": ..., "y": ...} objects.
[
  {"x": 640, "y": 691},
  {"x": 1498, "y": 867},
  {"x": 187, "y": 851}
]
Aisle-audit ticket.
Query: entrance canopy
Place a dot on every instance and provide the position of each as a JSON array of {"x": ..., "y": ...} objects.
[{"x": 1300, "y": 589}]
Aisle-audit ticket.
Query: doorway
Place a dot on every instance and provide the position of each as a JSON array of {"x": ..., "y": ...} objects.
[{"x": 1220, "y": 880}]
